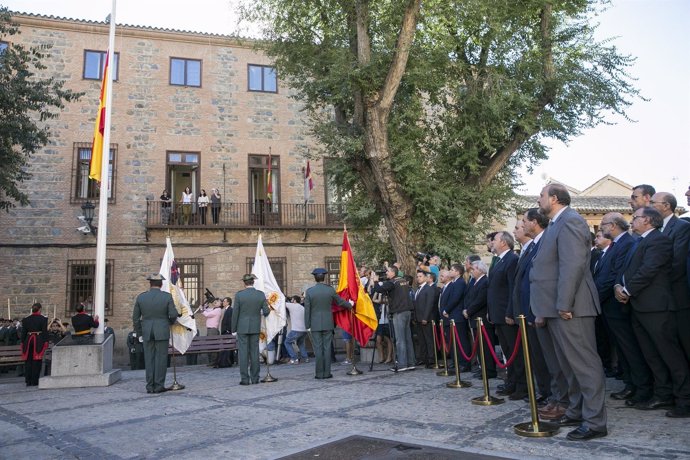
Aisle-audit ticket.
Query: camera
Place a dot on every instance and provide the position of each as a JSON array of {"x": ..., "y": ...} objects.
[
  {"x": 209, "y": 296},
  {"x": 422, "y": 256},
  {"x": 381, "y": 273}
]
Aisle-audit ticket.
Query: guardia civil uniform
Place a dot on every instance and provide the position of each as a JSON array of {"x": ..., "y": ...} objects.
[{"x": 248, "y": 307}]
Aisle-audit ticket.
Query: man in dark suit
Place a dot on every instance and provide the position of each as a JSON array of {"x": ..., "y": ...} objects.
[
  {"x": 154, "y": 311},
  {"x": 499, "y": 292},
  {"x": 519, "y": 305},
  {"x": 250, "y": 304},
  {"x": 641, "y": 196},
  {"x": 318, "y": 318},
  {"x": 475, "y": 307},
  {"x": 562, "y": 292},
  {"x": 451, "y": 306},
  {"x": 605, "y": 342},
  {"x": 678, "y": 231},
  {"x": 645, "y": 284},
  {"x": 636, "y": 374},
  {"x": 424, "y": 308}
]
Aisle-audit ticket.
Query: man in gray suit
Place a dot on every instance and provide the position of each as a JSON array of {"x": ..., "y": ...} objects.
[
  {"x": 318, "y": 318},
  {"x": 563, "y": 292},
  {"x": 154, "y": 312},
  {"x": 250, "y": 304}
]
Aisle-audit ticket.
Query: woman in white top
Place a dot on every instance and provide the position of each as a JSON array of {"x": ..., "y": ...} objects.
[
  {"x": 203, "y": 201},
  {"x": 186, "y": 205}
]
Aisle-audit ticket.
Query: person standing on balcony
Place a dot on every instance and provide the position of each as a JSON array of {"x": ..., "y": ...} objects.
[
  {"x": 186, "y": 205},
  {"x": 215, "y": 205},
  {"x": 165, "y": 208},
  {"x": 203, "y": 201}
]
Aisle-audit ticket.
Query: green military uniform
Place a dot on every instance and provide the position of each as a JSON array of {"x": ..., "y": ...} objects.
[
  {"x": 319, "y": 318},
  {"x": 154, "y": 312},
  {"x": 249, "y": 305}
]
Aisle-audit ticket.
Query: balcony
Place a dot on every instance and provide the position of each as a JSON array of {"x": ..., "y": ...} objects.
[{"x": 244, "y": 216}]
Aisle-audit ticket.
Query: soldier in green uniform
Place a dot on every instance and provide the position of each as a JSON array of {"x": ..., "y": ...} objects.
[
  {"x": 250, "y": 304},
  {"x": 318, "y": 318},
  {"x": 154, "y": 312}
]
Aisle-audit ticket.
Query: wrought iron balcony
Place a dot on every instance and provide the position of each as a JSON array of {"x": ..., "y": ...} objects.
[{"x": 243, "y": 215}]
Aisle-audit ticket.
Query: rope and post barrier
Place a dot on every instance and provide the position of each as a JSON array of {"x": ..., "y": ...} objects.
[
  {"x": 444, "y": 372},
  {"x": 433, "y": 331},
  {"x": 487, "y": 399},
  {"x": 457, "y": 383}
]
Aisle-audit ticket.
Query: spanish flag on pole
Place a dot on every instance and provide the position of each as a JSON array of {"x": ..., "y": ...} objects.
[
  {"x": 363, "y": 323},
  {"x": 99, "y": 129}
]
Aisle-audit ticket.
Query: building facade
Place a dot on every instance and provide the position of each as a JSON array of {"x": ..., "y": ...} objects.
[{"x": 189, "y": 110}]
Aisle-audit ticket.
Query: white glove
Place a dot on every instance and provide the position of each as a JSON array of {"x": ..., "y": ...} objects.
[
  {"x": 234, "y": 334},
  {"x": 141, "y": 339}
]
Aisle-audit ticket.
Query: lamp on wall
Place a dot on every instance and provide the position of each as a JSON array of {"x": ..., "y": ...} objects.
[{"x": 88, "y": 209}]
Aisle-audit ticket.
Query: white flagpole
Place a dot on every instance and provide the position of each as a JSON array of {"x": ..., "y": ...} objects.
[{"x": 99, "y": 297}]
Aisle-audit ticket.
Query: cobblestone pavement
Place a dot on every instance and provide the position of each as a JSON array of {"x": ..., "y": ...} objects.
[{"x": 214, "y": 417}]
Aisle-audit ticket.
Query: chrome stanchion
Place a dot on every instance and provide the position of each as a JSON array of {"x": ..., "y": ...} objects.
[
  {"x": 457, "y": 383},
  {"x": 534, "y": 428},
  {"x": 269, "y": 378},
  {"x": 487, "y": 399},
  {"x": 175, "y": 386},
  {"x": 353, "y": 370},
  {"x": 444, "y": 372}
]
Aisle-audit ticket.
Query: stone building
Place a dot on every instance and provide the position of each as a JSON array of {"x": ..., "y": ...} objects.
[{"x": 189, "y": 109}]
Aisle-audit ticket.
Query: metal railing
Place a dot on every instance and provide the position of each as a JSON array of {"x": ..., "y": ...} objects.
[{"x": 243, "y": 215}]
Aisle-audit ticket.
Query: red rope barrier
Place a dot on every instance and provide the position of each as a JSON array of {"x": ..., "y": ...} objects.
[
  {"x": 462, "y": 351},
  {"x": 436, "y": 338},
  {"x": 443, "y": 340},
  {"x": 518, "y": 341}
]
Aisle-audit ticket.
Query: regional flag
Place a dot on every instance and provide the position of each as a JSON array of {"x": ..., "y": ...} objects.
[
  {"x": 350, "y": 288},
  {"x": 269, "y": 181},
  {"x": 266, "y": 282},
  {"x": 99, "y": 129},
  {"x": 308, "y": 183},
  {"x": 184, "y": 329}
]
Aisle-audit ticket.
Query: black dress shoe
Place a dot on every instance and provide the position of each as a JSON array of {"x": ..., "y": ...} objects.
[
  {"x": 585, "y": 434},
  {"x": 329, "y": 376},
  {"x": 244, "y": 383},
  {"x": 624, "y": 394},
  {"x": 567, "y": 421},
  {"x": 466, "y": 369},
  {"x": 160, "y": 390},
  {"x": 429, "y": 366},
  {"x": 654, "y": 403},
  {"x": 540, "y": 400},
  {"x": 507, "y": 392},
  {"x": 149, "y": 391},
  {"x": 517, "y": 396},
  {"x": 679, "y": 412}
]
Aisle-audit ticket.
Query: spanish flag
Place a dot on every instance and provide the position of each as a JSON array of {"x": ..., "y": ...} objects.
[
  {"x": 99, "y": 129},
  {"x": 363, "y": 323}
]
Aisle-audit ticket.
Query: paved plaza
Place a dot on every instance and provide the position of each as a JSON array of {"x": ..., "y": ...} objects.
[{"x": 214, "y": 417}]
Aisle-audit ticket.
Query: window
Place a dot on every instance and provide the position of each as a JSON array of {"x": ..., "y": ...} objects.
[
  {"x": 94, "y": 63},
  {"x": 278, "y": 266},
  {"x": 192, "y": 277},
  {"x": 185, "y": 72},
  {"x": 333, "y": 267},
  {"x": 81, "y": 279},
  {"x": 262, "y": 78},
  {"x": 262, "y": 198},
  {"x": 85, "y": 188}
]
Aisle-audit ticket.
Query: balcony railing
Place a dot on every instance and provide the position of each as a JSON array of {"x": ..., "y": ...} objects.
[{"x": 244, "y": 215}]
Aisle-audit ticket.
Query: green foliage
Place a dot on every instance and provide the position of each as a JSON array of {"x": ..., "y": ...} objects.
[
  {"x": 485, "y": 83},
  {"x": 26, "y": 102}
]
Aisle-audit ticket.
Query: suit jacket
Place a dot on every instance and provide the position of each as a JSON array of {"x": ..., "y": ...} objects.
[
  {"x": 647, "y": 275},
  {"x": 154, "y": 312},
  {"x": 610, "y": 268},
  {"x": 500, "y": 287},
  {"x": 678, "y": 231},
  {"x": 560, "y": 278},
  {"x": 453, "y": 299},
  {"x": 475, "y": 299},
  {"x": 519, "y": 302},
  {"x": 250, "y": 304},
  {"x": 318, "y": 299},
  {"x": 424, "y": 303}
]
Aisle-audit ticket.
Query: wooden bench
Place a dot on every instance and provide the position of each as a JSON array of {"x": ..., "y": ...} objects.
[
  {"x": 10, "y": 355},
  {"x": 209, "y": 344}
]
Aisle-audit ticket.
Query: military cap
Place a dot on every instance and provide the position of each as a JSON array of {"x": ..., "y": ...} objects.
[
  {"x": 249, "y": 277},
  {"x": 319, "y": 271},
  {"x": 155, "y": 277}
]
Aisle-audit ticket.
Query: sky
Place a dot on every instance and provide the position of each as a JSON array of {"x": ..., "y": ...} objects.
[{"x": 655, "y": 149}]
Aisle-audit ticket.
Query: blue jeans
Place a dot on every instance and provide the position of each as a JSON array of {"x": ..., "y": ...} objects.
[
  {"x": 298, "y": 337},
  {"x": 404, "y": 348}
]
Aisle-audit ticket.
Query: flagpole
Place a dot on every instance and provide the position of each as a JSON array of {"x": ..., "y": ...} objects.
[{"x": 99, "y": 297}]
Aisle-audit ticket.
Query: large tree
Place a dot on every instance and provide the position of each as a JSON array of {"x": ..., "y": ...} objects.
[
  {"x": 427, "y": 107},
  {"x": 26, "y": 102}
]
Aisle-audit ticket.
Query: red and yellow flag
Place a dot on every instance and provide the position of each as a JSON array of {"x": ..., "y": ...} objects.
[
  {"x": 363, "y": 323},
  {"x": 99, "y": 129},
  {"x": 269, "y": 181}
]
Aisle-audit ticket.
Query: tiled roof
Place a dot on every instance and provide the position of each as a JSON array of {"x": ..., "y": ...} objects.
[
  {"x": 157, "y": 29},
  {"x": 584, "y": 204}
]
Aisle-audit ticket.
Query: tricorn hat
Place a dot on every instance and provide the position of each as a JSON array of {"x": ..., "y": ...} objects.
[
  {"x": 155, "y": 277},
  {"x": 249, "y": 277},
  {"x": 319, "y": 271}
]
